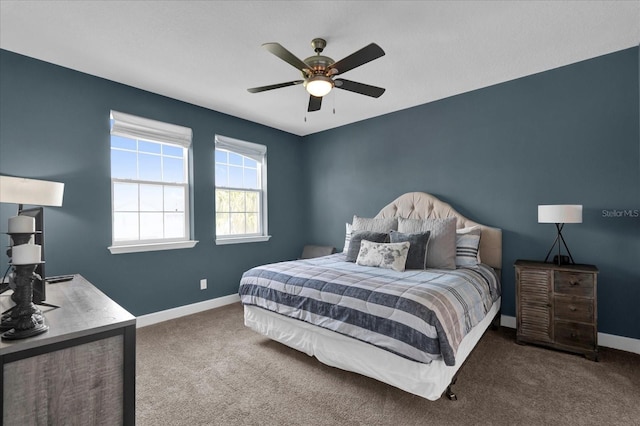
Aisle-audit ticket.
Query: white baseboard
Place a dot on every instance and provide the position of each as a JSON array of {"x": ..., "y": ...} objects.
[
  {"x": 181, "y": 311},
  {"x": 619, "y": 342},
  {"x": 506, "y": 321},
  {"x": 607, "y": 340}
]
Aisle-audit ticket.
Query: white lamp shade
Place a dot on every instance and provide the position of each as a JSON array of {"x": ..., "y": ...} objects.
[
  {"x": 560, "y": 213},
  {"x": 30, "y": 191},
  {"x": 319, "y": 86}
]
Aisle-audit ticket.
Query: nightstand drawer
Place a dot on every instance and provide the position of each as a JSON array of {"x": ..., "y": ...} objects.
[
  {"x": 573, "y": 283},
  {"x": 573, "y": 308},
  {"x": 576, "y": 335}
]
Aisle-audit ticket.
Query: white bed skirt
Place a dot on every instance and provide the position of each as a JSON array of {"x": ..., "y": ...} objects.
[{"x": 425, "y": 380}]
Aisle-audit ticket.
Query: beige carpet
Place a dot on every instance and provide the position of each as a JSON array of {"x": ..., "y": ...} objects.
[{"x": 208, "y": 369}]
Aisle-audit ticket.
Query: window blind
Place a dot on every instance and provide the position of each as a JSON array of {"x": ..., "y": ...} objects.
[
  {"x": 132, "y": 126},
  {"x": 248, "y": 149}
]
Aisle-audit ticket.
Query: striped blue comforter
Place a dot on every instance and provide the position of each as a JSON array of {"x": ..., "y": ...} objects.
[{"x": 420, "y": 315}]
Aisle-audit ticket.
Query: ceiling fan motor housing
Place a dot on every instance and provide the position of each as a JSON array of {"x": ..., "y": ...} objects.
[{"x": 318, "y": 64}]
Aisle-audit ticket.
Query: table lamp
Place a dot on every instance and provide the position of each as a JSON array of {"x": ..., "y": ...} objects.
[
  {"x": 560, "y": 214},
  {"x": 27, "y": 252}
]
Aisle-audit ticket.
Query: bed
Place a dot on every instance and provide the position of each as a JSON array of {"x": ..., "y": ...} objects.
[{"x": 412, "y": 329}]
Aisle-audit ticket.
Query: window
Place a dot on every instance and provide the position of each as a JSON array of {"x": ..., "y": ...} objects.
[
  {"x": 149, "y": 184},
  {"x": 240, "y": 191}
]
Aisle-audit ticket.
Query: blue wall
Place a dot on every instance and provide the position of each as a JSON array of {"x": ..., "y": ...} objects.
[
  {"x": 54, "y": 125},
  {"x": 566, "y": 136},
  {"x": 569, "y": 135}
]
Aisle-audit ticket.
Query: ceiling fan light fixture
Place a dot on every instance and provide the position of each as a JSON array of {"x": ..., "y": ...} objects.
[{"x": 319, "y": 85}]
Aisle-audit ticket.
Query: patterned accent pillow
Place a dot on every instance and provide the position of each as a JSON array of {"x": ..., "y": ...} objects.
[
  {"x": 347, "y": 237},
  {"x": 375, "y": 224},
  {"x": 467, "y": 243},
  {"x": 388, "y": 256},
  {"x": 442, "y": 242},
  {"x": 417, "y": 257},
  {"x": 358, "y": 236}
]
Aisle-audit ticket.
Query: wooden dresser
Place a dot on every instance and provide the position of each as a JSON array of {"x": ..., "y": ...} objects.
[
  {"x": 556, "y": 306},
  {"x": 81, "y": 371}
]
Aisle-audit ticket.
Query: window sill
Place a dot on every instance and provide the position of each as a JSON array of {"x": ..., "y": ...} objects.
[
  {"x": 257, "y": 239},
  {"x": 137, "y": 248}
]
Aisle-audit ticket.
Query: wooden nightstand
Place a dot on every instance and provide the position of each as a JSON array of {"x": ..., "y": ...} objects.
[{"x": 556, "y": 306}]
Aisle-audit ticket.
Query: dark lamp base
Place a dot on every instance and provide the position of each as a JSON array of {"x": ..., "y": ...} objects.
[
  {"x": 14, "y": 334},
  {"x": 25, "y": 319},
  {"x": 562, "y": 260},
  {"x": 8, "y": 321}
]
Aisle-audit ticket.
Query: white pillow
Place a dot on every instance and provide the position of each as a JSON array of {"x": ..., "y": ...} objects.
[
  {"x": 347, "y": 237},
  {"x": 467, "y": 244},
  {"x": 383, "y": 255}
]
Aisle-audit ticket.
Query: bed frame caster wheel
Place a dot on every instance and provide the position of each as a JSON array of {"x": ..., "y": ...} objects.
[{"x": 450, "y": 395}]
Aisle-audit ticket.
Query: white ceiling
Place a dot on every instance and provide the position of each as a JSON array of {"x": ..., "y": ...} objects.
[{"x": 208, "y": 52}]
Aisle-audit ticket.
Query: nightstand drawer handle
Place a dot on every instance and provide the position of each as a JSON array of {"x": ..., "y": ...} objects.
[
  {"x": 573, "y": 308},
  {"x": 574, "y": 282}
]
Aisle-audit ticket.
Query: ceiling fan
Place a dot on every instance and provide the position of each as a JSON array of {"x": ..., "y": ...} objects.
[{"x": 318, "y": 71}]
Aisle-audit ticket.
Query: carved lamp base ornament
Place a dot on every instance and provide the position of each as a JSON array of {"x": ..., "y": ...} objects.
[{"x": 25, "y": 319}]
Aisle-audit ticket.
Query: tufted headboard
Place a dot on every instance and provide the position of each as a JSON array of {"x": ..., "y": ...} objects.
[{"x": 420, "y": 205}]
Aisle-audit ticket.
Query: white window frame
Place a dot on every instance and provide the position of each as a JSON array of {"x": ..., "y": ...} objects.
[
  {"x": 134, "y": 127},
  {"x": 258, "y": 153}
]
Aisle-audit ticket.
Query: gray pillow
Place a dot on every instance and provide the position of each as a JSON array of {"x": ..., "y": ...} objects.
[
  {"x": 417, "y": 257},
  {"x": 442, "y": 242},
  {"x": 374, "y": 224},
  {"x": 356, "y": 240}
]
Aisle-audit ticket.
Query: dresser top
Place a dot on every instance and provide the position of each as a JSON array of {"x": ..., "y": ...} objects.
[
  {"x": 83, "y": 310},
  {"x": 548, "y": 265}
]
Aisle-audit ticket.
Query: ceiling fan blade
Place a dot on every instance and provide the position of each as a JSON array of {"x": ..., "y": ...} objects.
[
  {"x": 363, "y": 89},
  {"x": 288, "y": 57},
  {"x": 274, "y": 86},
  {"x": 314, "y": 103},
  {"x": 361, "y": 57}
]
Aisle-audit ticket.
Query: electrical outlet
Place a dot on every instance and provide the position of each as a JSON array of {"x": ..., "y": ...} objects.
[{"x": 203, "y": 284}]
